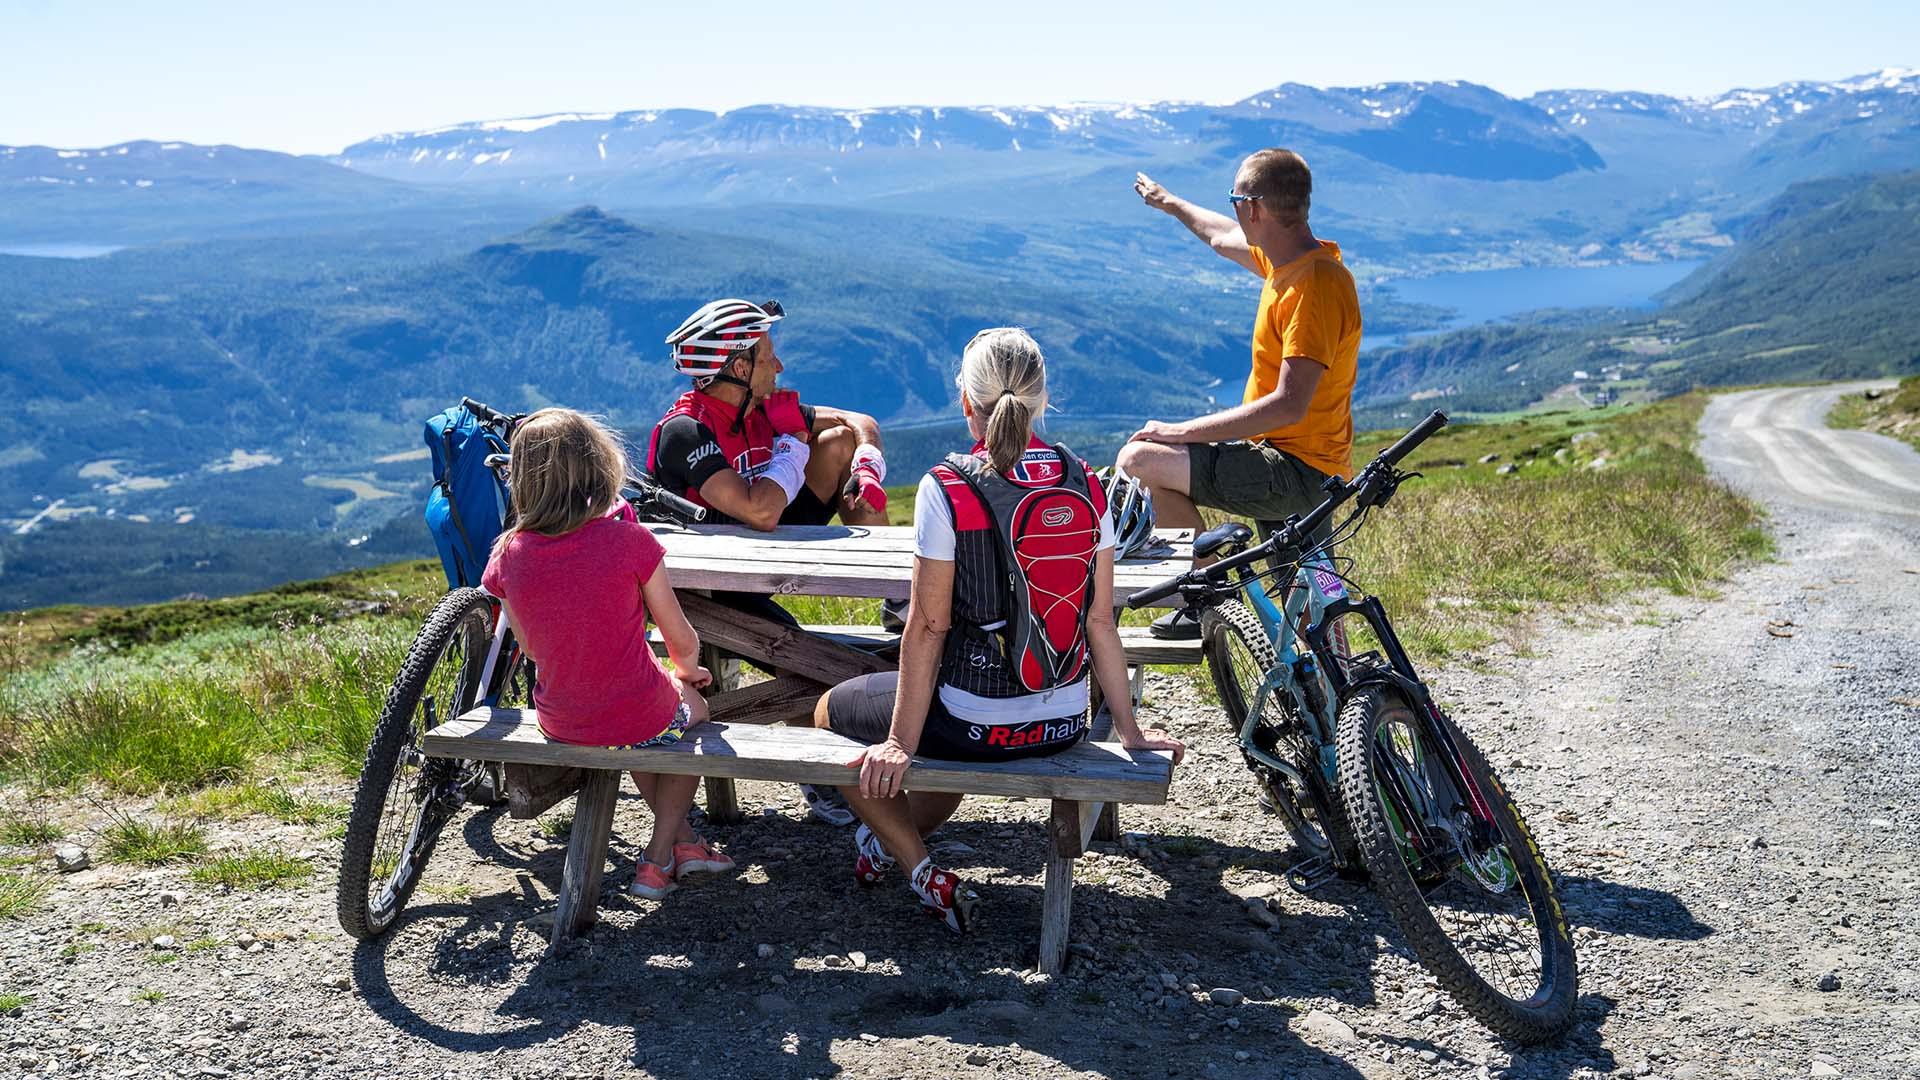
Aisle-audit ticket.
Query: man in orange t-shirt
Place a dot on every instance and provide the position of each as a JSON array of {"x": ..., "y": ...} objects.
[{"x": 1266, "y": 457}]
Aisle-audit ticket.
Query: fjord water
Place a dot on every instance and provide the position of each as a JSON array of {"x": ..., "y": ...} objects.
[
  {"x": 1481, "y": 296},
  {"x": 60, "y": 251}
]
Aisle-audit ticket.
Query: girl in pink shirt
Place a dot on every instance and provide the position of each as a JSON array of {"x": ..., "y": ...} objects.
[{"x": 579, "y": 577}]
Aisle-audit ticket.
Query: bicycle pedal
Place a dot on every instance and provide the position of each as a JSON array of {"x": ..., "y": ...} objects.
[{"x": 1308, "y": 875}]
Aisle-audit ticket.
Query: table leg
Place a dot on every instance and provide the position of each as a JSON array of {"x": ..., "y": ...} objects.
[{"x": 723, "y": 804}]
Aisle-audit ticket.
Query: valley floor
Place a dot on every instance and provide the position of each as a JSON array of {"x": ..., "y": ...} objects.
[{"x": 1724, "y": 787}]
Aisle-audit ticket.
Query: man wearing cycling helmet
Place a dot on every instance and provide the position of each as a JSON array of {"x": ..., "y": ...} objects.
[
  {"x": 755, "y": 456},
  {"x": 751, "y": 452},
  {"x": 1266, "y": 457}
]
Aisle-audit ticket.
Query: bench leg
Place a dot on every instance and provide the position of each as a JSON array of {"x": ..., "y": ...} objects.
[
  {"x": 586, "y": 856},
  {"x": 1108, "y": 827},
  {"x": 1065, "y": 843}
]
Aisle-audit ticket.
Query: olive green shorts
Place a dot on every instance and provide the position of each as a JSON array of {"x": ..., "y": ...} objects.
[{"x": 1253, "y": 480}]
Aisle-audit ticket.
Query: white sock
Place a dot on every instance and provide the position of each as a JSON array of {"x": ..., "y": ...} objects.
[{"x": 921, "y": 875}]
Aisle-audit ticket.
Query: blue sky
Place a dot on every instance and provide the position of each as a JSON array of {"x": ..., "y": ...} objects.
[{"x": 311, "y": 78}]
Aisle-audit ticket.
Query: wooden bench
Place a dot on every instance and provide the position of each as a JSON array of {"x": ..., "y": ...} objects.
[{"x": 1079, "y": 782}]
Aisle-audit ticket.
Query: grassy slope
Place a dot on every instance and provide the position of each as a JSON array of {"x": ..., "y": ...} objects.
[
  {"x": 186, "y": 695},
  {"x": 1896, "y": 414}
]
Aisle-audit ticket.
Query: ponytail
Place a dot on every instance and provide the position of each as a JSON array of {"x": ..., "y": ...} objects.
[{"x": 1004, "y": 376}]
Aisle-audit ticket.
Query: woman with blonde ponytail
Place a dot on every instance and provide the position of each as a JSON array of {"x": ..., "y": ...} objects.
[{"x": 1011, "y": 611}]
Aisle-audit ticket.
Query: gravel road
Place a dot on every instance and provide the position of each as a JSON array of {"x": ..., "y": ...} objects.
[{"x": 1724, "y": 786}]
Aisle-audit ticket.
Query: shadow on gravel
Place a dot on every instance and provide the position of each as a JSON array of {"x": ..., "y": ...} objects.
[
  {"x": 1629, "y": 909},
  {"x": 684, "y": 977}
]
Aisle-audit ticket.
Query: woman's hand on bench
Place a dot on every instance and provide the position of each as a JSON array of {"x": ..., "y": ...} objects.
[
  {"x": 883, "y": 769},
  {"x": 1154, "y": 739}
]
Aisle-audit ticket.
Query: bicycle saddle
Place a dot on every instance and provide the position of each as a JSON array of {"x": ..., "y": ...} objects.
[{"x": 1227, "y": 539}]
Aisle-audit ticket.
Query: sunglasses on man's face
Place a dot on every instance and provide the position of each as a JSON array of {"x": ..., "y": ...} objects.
[{"x": 1236, "y": 200}]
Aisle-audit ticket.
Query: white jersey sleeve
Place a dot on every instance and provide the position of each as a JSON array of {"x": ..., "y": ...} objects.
[{"x": 933, "y": 536}]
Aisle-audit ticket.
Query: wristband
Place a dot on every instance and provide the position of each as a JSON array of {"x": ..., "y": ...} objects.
[
  {"x": 867, "y": 456},
  {"x": 788, "y": 469}
]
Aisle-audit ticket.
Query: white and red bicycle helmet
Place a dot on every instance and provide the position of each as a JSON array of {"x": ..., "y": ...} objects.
[{"x": 703, "y": 343}]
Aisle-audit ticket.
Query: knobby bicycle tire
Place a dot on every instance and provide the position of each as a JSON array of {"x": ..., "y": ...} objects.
[
  {"x": 1548, "y": 1009},
  {"x": 396, "y": 779},
  {"x": 1232, "y": 625}
]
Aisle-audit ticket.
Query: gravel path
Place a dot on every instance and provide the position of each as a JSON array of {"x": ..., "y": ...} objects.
[{"x": 1723, "y": 786}]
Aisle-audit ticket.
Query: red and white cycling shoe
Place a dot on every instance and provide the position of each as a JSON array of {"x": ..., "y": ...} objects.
[
  {"x": 944, "y": 896},
  {"x": 871, "y": 863}
]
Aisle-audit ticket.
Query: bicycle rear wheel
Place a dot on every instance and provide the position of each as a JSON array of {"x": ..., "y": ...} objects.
[
  {"x": 1461, "y": 875},
  {"x": 405, "y": 798},
  {"x": 1239, "y": 655}
]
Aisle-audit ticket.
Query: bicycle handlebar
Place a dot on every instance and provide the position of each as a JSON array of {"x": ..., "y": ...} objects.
[
  {"x": 651, "y": 492},
  {"x": 486, "y": 413},
  {"x": 1376, "y": 474},
  {"x": 688, "y": 509}
]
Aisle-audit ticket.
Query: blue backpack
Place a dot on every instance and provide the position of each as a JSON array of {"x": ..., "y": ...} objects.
[{"x": 467, "y": 506}]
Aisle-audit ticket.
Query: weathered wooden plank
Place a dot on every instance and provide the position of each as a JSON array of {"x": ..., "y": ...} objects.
[
  {"x": 534, "y": 789},
  {"x": 586, "y": 856},
  {"x": 789, "y": 649},
  {"x": 866, "y": 539},
  {"x": 1143, "y": 648},
  {"x": 1056, "y": 901},
  {"x": 1090, "y": 771},
  {"x": 1138, "y": 641},
  {"x": 775, "y": 701},
  {"x": 867, "y": 581},
  {"x": 1107, "y": 828}
]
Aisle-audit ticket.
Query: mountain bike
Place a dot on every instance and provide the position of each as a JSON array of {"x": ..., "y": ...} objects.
[
  {"x": 464, "y": 656},
  {"x": 1371, "y": 778}
]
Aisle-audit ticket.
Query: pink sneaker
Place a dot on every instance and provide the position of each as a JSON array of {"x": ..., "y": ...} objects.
[
  {"x": 651, "y": 882},
  {"x": 700, "y": 858}
]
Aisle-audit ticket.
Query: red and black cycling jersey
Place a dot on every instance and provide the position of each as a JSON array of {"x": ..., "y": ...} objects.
[{"x": 698, "y": 437}]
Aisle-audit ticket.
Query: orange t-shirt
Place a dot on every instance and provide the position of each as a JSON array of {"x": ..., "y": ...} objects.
[{"x": 1309, "y": 308}]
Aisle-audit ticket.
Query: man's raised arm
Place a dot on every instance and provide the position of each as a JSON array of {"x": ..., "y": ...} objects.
[{"x": 1221, "y": 232}]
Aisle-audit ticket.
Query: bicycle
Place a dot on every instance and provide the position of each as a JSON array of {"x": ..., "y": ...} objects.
[
  {"x": 464, "y": 656},
  {"x": 1370, "y": 776}
]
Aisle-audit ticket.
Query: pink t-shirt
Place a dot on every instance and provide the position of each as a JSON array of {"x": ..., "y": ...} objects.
[{"x": 576, "y": 606}]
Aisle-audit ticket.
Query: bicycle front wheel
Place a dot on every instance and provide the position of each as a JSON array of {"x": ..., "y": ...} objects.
[
  {"x": 405, "y": 798},
  {"x": 1460, "y": 874},
  {"x": 1239, "y": 655}
]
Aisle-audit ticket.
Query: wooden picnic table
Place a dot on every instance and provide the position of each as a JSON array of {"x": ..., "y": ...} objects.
[{"x": 807, "y": 560}]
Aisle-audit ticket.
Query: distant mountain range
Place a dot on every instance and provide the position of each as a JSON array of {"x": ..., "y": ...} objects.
[
  {"x": 1412, "y": 176},
  {"x": 260, "y": 359}
]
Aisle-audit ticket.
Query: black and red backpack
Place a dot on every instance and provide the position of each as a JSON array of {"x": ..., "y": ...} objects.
[{"x": 1024, "y": 549}]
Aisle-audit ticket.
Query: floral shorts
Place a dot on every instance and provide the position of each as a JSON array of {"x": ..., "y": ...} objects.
[{"x": 676, "y": 727}]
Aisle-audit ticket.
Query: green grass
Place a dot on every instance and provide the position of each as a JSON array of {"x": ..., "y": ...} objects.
[
  {"x": 253, "y": 870},
  {"x": 555, "y": 826},
  {"x": 229, "y": 802},
  {"x": 192, "y": 699},
  {"x": 1895, "y": 413},
  {"x": 200, "y": 710},
  {"x": 1462, "y": 553},
  {"x": 29, "y": 832},
  {"x": 129, "y": 839},
  {"x": 10, "y": 1002},
  {"x": 151, "y": 997},
  {"x": 20, "y": 894}
]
